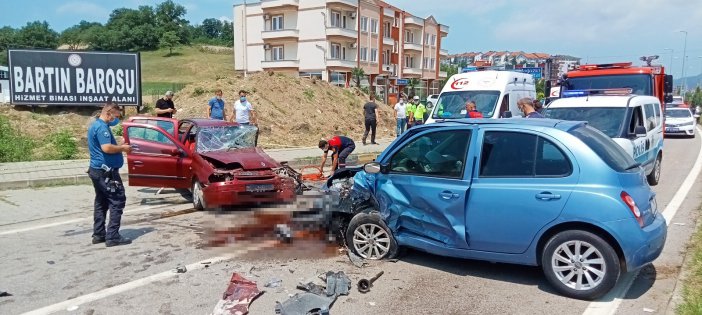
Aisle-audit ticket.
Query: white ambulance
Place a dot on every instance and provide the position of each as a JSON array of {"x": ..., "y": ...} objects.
[{"x": 493, "y": 91}]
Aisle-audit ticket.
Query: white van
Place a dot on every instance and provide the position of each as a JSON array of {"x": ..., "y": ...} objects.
[
  {"x": 635, "y": 122},
  {"x": 494, "y": 93}
]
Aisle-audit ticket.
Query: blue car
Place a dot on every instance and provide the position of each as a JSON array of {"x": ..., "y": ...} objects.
[{"x": 550, "y": 193}]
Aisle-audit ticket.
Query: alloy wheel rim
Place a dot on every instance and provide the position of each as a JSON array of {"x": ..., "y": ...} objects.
[
  {"x": 578, "y": 265},
  {"x": 197, "y": 193},
  {"x": 658, "y": 169},
  {"x": 371, "y": 241}
]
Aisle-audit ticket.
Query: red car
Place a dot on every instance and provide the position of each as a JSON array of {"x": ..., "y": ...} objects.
[{"x": 217, "y": 160}]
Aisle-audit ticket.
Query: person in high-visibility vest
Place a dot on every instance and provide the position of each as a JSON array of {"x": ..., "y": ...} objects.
[
  {"x": 411, "y": 106},
  {"x": 419, "y": 112}
]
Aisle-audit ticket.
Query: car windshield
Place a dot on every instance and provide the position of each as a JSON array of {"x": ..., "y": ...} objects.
[
  {"x": 452, "y": 105},
  {"x": 226, "y": 138},
  {"x": 610, "y": 152},
  {"x": 677, "y": 113},
  {"x": 639, "y": 83},
  {"x": 609, "y": 120}
]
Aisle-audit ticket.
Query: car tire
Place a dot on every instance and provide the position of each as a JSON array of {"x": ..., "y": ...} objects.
[
  {"x": 371, "y": 230},
  {"x": 655, "y": 174},
  {"x": 198, "y": 198},
  {"x": 570, "y": 273}
]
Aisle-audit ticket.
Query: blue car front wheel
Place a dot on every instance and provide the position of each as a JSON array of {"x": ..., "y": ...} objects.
[
  {"x": 580, "y": 264},
  {"x": 369, "y": 237}
]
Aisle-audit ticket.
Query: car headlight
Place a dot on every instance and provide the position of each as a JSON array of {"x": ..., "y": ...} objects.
[{"x": 690, "y": 123}]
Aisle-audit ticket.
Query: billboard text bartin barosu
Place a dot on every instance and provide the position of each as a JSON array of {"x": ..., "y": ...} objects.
[{"x": 47, "y": 77}]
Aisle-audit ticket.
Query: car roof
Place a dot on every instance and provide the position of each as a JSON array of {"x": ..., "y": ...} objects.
[
  {"x": 564, "y": 125},
  {"x": 601, "y": 101},
  {"x": 204, "y": 122}
]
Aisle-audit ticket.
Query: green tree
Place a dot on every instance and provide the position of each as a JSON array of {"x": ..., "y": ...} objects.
[
  {"x": 37, "y": 35},
  {"x": 212, "y": 28},
  {"x": 169, "y": 18},
  {"x": 77, "y": 35},
  {"x": 129, "y": 29},
  {"x": 169, "y": 40},
  {"x": 357, "y": 74},
  {"x": 412, "y": 84},
  {"x": 227, "y": 35},
  {"x": 541, "y": 87},
  {"x": 7, "y": 38}
]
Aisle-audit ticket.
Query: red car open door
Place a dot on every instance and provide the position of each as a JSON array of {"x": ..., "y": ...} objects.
[{"x": 157, "y": 159}]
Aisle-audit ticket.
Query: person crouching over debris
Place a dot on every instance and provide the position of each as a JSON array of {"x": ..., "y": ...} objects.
[{"x": 341, "y": 149}]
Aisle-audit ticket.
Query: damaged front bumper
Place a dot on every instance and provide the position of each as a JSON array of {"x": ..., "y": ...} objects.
[{"x": 239, "y": 192}]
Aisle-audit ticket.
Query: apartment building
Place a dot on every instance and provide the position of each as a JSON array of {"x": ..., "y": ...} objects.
[{"x": 327, "y": 39}]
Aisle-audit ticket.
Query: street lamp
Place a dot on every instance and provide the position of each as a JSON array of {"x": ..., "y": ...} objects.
[
  {"x": 672, "y": 52},
  {"x": 682, "y": 75}
]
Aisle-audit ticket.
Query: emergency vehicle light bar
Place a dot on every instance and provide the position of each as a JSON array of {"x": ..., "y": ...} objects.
[
  {"x": 609, "y": 92},
  {"x": 605, "y": 66}
]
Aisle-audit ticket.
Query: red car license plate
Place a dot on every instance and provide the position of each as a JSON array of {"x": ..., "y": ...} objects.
[{"x": 260, "y": 187}]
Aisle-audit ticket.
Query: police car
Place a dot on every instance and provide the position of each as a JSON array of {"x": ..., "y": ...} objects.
[{"x": 635, "y": 122}]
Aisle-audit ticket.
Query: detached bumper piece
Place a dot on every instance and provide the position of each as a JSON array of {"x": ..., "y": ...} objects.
[
  {"x": 238, "y": 296},
  {"x": 316, "y": 301}
]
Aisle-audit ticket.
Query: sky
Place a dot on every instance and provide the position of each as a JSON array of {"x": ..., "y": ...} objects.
[{"x": 598, "y": 31}]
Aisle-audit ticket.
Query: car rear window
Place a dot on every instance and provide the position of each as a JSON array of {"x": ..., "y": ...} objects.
[{"x": 610, "y": 152}]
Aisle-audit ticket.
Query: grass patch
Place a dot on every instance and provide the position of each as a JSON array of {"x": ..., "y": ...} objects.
[
  {"x": 14, "y": 146},
  {"x": 65, "y": 147},
  {"x": 309, "y": 94},
  {"x": 191, "y": 65},
  {"x": 692, "y": 290}
]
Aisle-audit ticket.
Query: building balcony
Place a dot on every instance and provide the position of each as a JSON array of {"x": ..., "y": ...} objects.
[
  {"x": 388, "y": 41},
  {"x": 274, "y": 4},
  {"x": 287, "y": 63},
  {"x": 350, "y": 3},
  {"x": 342, "y": 32},
  {"x": 280, "y": 34},
  {"x": 341, "y": 63},
  {"x": 444, "y": 30},
  {"x": 414, "y": 20},
  {"x": 413, "y": 46},
  {"x": 443, "y": 75},
  {"x": 412, "y": 71},
  {"x": 444, "y": 52}
]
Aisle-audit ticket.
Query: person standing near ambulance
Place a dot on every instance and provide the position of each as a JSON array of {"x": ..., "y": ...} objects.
[{"x": 105, "y": 161}]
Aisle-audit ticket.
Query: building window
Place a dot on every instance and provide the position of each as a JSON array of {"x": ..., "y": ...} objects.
[
  {"x": 433, "y": 40},
  {"x": 335, "y": 19},
  {"x": 374, "y": 26},
  {"x": 363, "y": 52},
  {"x": 277, "y": 53},
  {"x": 426, "y": 42},
  {"x": 277, "y": 23},
  {"x": 409, "y": 62},
  {"x": 387, "y": 32},
  {"x": 425, "y": 63},
  {"x": 386, "y": 57},
  {"x": 374, "y": 55},
  {"x": 432, "y": 63},
  {"x": 4, "y": 75},
  {"x": 409, "y": 37},
  {"x": 364, "y": 23},
  {"x": 335, "y": 51}
]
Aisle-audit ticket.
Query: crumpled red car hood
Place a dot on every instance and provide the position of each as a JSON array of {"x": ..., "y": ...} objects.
[{"x": 249, "y": 158}]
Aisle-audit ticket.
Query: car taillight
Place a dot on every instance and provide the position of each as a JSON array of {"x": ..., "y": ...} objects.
[{"x": 632, "y": 206}]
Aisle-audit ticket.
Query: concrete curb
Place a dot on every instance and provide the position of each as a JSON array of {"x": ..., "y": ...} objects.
[{"x": 83, "y": 179}]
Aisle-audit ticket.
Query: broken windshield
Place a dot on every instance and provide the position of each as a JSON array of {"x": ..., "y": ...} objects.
[{"x": 226, "y": 138}]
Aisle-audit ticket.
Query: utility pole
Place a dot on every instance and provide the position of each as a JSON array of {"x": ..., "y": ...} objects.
[
  {"x": 672, "y": 52},
  {"x": 682, "y": 76}
]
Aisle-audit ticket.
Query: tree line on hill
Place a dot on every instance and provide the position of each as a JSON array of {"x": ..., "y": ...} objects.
[{"x": 144, "y": 28}]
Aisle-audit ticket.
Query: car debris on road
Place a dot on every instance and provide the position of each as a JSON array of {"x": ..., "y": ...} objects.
[
  {"x": 317, "y": 299},
  {"x": 238, "y": 296},
  {"x": 364, "y": 285}
]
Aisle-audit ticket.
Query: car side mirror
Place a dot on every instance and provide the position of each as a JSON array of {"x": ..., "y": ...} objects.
[
  {"x": 507, "y": 115},
  {"x": 372, "y": 168},
  {"x": 640, "y": 131}
]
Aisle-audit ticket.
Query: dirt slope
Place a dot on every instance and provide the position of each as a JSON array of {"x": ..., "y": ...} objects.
[{"x": 292, "y": 112}]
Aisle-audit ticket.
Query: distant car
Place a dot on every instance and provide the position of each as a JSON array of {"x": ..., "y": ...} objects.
[
  {"x": 545, "y": 192},
  {"x": 217, "y": 160},
  {"x": 634, "y": 122},
  {"x": 431, "y": 101},
  {"x": 680, "y": 121}
]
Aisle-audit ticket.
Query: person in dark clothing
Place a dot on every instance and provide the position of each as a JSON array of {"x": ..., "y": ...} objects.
[
  {"x": 526, "y": 105},
  {"x": 165, "y": 106},
  {"x": 341, "y": 148},
  {"x": 105, "y": 161},
  {"x": 370, "y": 115}
]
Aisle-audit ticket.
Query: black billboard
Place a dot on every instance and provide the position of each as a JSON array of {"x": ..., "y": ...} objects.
[{"x": 50, "y": 77}]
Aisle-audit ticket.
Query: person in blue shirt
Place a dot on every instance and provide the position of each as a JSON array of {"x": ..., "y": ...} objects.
[
  {"x": 105, "y": 161},
  {"x": 215, "y": 109}
]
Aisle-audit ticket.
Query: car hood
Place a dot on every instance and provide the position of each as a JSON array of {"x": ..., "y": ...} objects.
[
  {"x": 248, "y": 158},
  {"x": 678, "y": 120}
]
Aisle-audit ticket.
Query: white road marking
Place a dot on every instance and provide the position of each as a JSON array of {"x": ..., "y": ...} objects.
[
  {"x": 62, "y": 306},
  {"x": 608, "y": 304},
  {"x": 71, "y": 221}
]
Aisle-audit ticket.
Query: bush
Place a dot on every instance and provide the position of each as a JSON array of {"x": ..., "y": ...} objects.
[
  {"x": 198, "y": 91},
  {"x": 118, "y": 130},
  {"x": 65, "y": 146},
  {"x": 14, "y": 147},
  {"x": 309, "y": 94}
]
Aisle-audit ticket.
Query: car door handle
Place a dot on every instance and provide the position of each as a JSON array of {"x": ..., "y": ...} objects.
[
  {"x": 138, "y": 163},
  {"x": 547, "y": 196},
  {"x": 447, "y": 195}
]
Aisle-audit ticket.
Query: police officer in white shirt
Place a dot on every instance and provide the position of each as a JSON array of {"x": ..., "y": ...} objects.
[{"x": 244, "y": 113}]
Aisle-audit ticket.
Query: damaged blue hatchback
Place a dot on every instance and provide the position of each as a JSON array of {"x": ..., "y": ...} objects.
[{"x": 557, "y": 194}]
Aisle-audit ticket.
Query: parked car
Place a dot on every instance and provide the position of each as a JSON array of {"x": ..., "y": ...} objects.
[
  {"x": 680, "y": 121},
  {"x": 217, "y": 160},
  {"x": 634, "y": 122},
  {"x": 558, "y": 194}
]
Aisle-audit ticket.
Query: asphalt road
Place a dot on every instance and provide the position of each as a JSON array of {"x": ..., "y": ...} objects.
[{"x": 49, "y": 264}]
